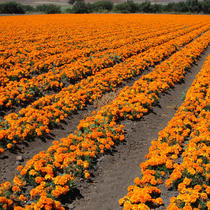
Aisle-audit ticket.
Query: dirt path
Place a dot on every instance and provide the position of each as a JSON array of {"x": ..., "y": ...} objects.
[{"x": 114, "y": 173}]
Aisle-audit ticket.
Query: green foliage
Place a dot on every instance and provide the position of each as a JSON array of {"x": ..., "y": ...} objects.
[
  {"x": 100, "y": 6},
  {"x": 104, "y": 6},
  {"x": 176, "y": 7},
  {"x": 122, "y": 8},
  {"x": 183, "y": 95},
  {"x": 71, "y": 1},
  {"x": 49, "y": 8},
  {"x": 11, "y": 8},
  {"x": 69, "y": 10},
  {"x": 193, "y": 6},
  {"x": 80, "y": 7},
  {"x": 146, "y": 7},
  {"x": 127, "y": 7},
  {"x": 205, "y": 6},
  {"x": 132, "y": 7},
  {"x": 28, "y": 8},
  {"x": 181, "y": 7},
  {"x": 157, "y": 8}
]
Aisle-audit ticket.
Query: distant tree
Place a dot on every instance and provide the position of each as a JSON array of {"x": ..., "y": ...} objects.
[
  {"x": 28, "y": 8},
  {"x": 193, "y": 6},
  {"x": 181, "y": 7},
  {"x": 176, "y": 7},
  {"x": 169, "y": 7},
  {"x": 122, "y": 8},
  {"x": 157, "y": 8},
  {"x": 205, "y": 5},
  {"x": 133, "y": 6},
  {"x": 49, "y": 8},
  {"x": 11, "y": 8},
  {"x": 127, "y": 7},
  {"x": 80, "y": 6},
  {"x": 71, "y": 1},
  {"x": 101, "y": 6},
  {"x": 145, "y": 7}
]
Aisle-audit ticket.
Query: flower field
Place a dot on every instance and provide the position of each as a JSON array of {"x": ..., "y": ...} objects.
[
  {"x": 187, "y": 135},
  {"x": 53, "y": 66}
]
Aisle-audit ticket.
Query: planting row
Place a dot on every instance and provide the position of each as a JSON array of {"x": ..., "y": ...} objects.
[
  {"x": 16, "y": 92},
  {"x": 38, "y": 118},
  {"x": 52, "y": 173},
  {"x": 42, "y": 52},
  {"x": 191, "y": 177},
  {"x": 187, "y": 134}
]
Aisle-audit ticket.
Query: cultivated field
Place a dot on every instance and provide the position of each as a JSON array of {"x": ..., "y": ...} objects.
[{"x": 102, "y": 112}]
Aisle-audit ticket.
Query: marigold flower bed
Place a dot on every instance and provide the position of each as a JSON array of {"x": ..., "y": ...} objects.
[
  {"x": 25, "y": 51},
  {"x": 37, "y": 118},
  {"x": 187, "y": 134},
  {"x": 25, "y": 90},
  {"x": 52, "y": 173}
]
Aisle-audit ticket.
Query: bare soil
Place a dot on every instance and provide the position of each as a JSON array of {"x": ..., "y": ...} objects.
[{"x": 116, "y": 171}]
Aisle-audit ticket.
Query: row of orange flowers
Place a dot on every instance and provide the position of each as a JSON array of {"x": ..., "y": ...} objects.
[
  {"x": 44, "y": 59},
  {"x": 40, "y": 116},
  {"x": 52, "y": 173},
  {"x": 14, "y": 53},
  {"x": 39, "y": 52},
  {"x": 191, "y": 176},
  {"x": 17, "y": 92}
]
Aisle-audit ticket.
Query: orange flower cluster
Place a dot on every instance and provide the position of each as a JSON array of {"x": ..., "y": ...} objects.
[
  {"x": 137, "y": 197},
  {"x": 49, "y": 110},
  {"x": 30, "y": 49},
  {"x": 33, "y": 45},
  {"x": 190, "y": 177},
  {"x": 51, "y": 173},
  {"x": 16, "y": 92}
]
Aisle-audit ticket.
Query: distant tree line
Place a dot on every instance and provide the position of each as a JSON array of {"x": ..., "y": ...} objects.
[
  {"x": 105, "y": 6},
  {"x": 17, "y": 8},
  {"x": 190, "y": 6}
]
